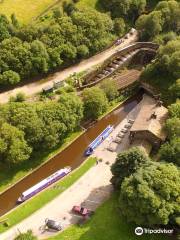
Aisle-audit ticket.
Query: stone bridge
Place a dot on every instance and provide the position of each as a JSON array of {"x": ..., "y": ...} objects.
[{"x": 120, "y": 59}]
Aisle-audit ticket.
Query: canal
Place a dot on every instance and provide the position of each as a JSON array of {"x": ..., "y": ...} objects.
[{"x": 72, "y": 156}]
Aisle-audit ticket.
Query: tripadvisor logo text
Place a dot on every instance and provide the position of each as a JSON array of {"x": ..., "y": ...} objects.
[{"x": 139, "y": 231}]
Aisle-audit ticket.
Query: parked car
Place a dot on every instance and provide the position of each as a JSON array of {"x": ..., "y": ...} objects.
[
  {"x": 51, "y": 224},
  {"x": 81, "y": 211}
]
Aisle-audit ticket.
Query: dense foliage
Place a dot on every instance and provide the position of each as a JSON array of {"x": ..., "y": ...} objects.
[
  {"x": 126, "y": 164},
  {"x": 32, "y": 126},
  {"x": 62, "y": 39},
  {"x": 95, "y": 102},
  {"x": 110, "y": 87},
  {"x": 164, "y": 71},
  {"x": 151, "y": 195},
  {"x": 170, "y": 151},
  {"x": 124, "y": 8},
  {"x": 164, "y": 18}
]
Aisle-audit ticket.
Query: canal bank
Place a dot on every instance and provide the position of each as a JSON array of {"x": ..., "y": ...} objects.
[
  {"x": 73, "y": 155},
  {"x": 90, "y": 191}
]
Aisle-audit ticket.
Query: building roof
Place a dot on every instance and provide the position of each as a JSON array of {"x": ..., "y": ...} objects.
[{"x": 146, "y": 122}]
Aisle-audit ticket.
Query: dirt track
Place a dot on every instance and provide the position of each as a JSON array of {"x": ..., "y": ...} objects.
[{"x": 35, "y": 87}]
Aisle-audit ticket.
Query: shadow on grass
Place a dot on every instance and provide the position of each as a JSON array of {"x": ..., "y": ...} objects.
[{"x": 106, "y": 224}]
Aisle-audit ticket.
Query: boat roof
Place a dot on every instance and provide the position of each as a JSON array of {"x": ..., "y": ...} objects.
[
  {"x": 105, "y": 130},
  {"x": 43, "y": 182}
]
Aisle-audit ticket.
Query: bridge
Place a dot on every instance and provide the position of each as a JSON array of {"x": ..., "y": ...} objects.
[{"x": 118, "y": 60}]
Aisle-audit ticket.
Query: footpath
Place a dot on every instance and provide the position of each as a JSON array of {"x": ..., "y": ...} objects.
[
  {"x": 36, "y": 87},
  {"x": 90, "y": 191}
]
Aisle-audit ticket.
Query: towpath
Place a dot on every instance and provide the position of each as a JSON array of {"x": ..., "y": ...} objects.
[
  {"x": 91, "y": 190},
  {"x": 35, "y": 87}
]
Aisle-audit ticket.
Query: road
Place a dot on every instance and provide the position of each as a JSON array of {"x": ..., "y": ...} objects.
[
  {"x": 91, "y": 190},
  {"x": 35, "y": 87}
]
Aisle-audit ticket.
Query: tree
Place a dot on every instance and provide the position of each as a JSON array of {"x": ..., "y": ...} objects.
[
  {"x": 119, "y": 26},
  {"x": 29, "y": 51},
  {"x": 20, "y": 97},
  {"x": 173, "y": 127},
  {"x": 175, "y": 89},
  {"x": 164, "y": 38},
  {"x": 137, "y": 7},
  {"x": 174, "y": 110},
  {"x": 109, "y": 86},
  {"x": 171, "y": 14},
  {"x": 150, "y": 25},
  {"x": 26, "y": 236},
  {"x": 14, "y": 21},
  {"x": 24, "y": 116},
  {"x": 9, "y": 77},
  {"x": 96, "y": 28},
  {"x": 151, "y": 195},
  {"x": 4, "y": 27},
  {"x": 174, "y": 64},
  {"x": 95, "y": 102},
  {"x": 164, "y": 70},
  {"x": 74, "y": 110},
  {"x": 126, "y": 164},
  {"x": 39, "y": 58},
  {"x": 69, "y": 8},
  {"x": 170, "y": 151},
  {"x": 13, "y": 147},
  {"x": 57, "y": 13},
  {"x": 118, "y": 8},
  {"x": 82, "y": 51}
]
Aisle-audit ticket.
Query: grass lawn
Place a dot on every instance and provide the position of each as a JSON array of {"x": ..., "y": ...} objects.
[
  {"x": 25, "y": 10},
  {"x": 8, "y": 177},
  {"x": 90, "y": 3},
  {"x": 46, "y": 196},
  {"x": 106, "y": 224}
]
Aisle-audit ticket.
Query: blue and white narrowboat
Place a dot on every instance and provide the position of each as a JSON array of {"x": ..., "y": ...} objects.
[
  {"x": 43, "y": 184},
  {"x": 99, "y": 140}
]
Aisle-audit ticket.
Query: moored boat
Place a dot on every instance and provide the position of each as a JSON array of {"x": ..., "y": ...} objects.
[
  {"x": 99, "y": 140},
  {"x": 43, "y": 184}
]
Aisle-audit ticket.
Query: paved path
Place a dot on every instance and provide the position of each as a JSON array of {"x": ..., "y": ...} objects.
[
  {"x": 90, "y": 190},
  {"x": 35, "y": 87}
]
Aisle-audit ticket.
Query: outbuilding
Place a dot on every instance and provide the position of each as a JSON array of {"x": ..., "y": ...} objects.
[{"x": 48, "y": 89}]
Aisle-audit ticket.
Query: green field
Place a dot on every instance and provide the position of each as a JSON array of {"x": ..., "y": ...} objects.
[
  {"x": 25, "y": 10},
  {"x": 90, "y": 3},
  {"x": 106, "y": 224},
  {"x": 23, "y": 211}
]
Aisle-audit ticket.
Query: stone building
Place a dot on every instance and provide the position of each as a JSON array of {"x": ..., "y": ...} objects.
[{"x": 148, "y": 131}]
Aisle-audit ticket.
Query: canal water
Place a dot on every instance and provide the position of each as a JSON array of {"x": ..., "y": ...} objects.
[{"x": 72, "y": 156}]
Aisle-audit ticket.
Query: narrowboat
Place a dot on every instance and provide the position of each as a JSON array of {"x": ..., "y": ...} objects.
[
  {"x": 99, "y": 140},
  {"x": 43, "y": 184}
]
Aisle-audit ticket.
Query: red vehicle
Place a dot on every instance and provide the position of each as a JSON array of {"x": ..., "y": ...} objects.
[{"x": 81, "y": 211}]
